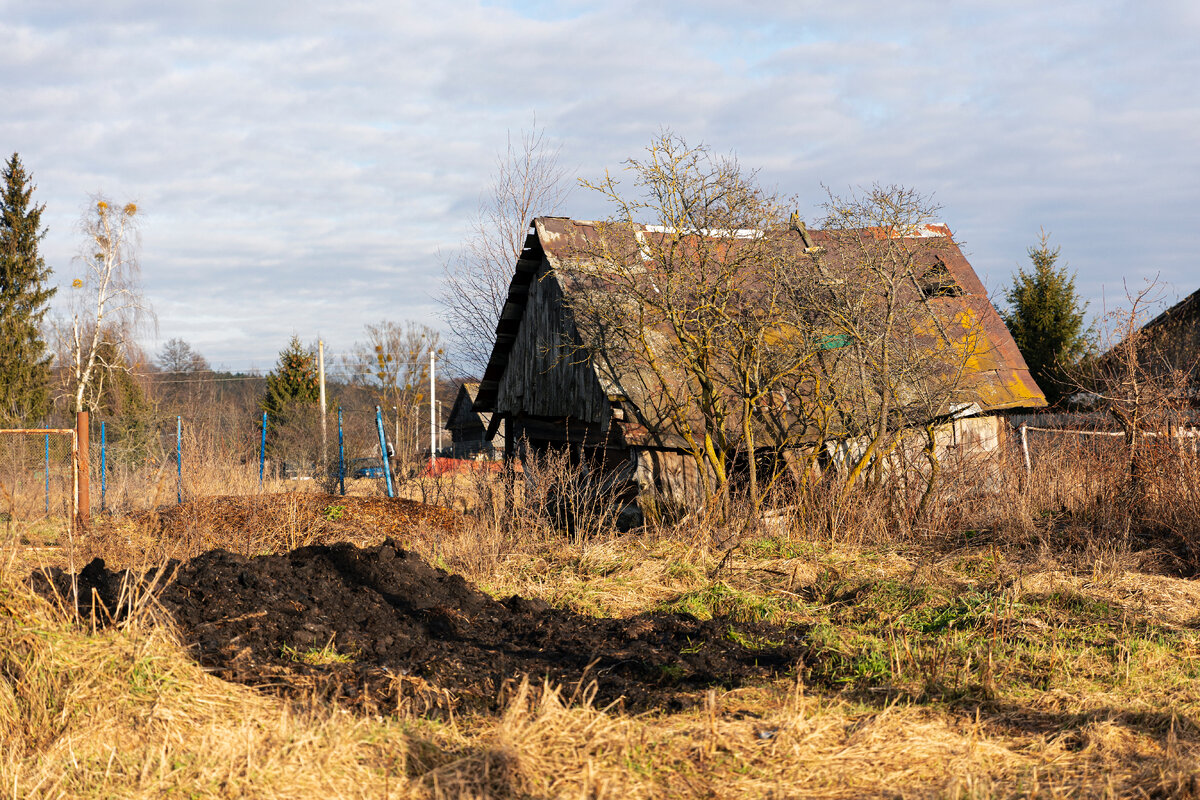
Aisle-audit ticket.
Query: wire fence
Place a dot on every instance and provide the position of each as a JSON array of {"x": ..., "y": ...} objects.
[
  {"x": 131, "y": 468},
  {"x": 358, "y": 452},
  {"x": 38, "y": 483}
]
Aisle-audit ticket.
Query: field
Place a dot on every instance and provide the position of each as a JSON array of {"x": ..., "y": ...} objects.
[{"x": 1038, "y": 642}]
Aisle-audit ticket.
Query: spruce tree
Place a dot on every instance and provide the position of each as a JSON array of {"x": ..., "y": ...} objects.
[
  {"x": 291, "y": 404},
  {"x": 293, "y": 381},
  {"x": 1046, "y": 319},
  {"x": 24, "y": 363}
]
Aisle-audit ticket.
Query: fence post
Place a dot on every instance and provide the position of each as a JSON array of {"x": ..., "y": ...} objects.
[
  {"x": 262, "y": 451},
  {"x": 383, "y": 453},
  {"x": 324, "y": 434},
  {"x": 103, "y": 464},
  {"x": 47, "y": 471},
  {"x": 341, "y": 457},
  {"x": 83, "y": 503},
  {"x": 179, "y": 460},
  {"x": 1025, "y": 450}
]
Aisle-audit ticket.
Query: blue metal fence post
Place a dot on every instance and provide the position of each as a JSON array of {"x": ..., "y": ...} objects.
[
  {"x": 341, "y": 457},
  {"x": 383, "y": 454},
  {"x": 103, "y": 464},
  {"x": 179, "y": 460},
  {"x": 262, "y": 451},
  {"x": 47, "y": 472}
]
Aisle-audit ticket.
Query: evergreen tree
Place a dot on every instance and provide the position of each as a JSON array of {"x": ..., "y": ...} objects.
[
  {"x": 292, "y": 382},
  {"x": 293, "y": 435},
  {"x": 1046, "y": 319},
  {"x": 24, "y": 363},
  {"x": 117, "y": 398}
]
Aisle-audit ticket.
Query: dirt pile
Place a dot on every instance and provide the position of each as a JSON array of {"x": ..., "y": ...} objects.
[
  {"x": 264, "y": 523},
  {"x": 378, "y": 625}
]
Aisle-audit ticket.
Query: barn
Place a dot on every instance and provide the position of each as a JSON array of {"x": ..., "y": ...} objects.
[{"x": 554, "y": 383}]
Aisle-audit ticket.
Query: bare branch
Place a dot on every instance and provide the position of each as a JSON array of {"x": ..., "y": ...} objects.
[{"x": 529, "y": 181}]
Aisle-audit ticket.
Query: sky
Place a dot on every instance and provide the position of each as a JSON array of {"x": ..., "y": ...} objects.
[{"x": 307, "y": 168}]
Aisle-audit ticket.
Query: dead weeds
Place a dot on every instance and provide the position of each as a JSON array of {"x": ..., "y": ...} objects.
[{"x": 1027, "y": 653}]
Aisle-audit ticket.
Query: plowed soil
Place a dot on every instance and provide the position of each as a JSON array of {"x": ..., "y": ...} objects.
[{"x": 375, "y": 627}]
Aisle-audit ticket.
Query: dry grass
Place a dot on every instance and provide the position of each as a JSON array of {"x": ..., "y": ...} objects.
[{"x": 1036, "y": 642}]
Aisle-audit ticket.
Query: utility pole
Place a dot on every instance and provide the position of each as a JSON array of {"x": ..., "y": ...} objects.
[
  {"x": 432, "y": 415},
  {"x": 321, "y": 373}
]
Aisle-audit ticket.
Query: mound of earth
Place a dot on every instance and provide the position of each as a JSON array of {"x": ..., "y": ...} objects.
[
  {"x": 379, "y": 625},
  {"x": 270, "y": 523}
]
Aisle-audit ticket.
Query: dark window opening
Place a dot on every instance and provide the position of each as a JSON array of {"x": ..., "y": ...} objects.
[{"x": 938, "y": 282}]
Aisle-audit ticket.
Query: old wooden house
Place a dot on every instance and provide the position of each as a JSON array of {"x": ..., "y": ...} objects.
[
  {"x": 554, "y": 380},
  {"x": 468, "y": 427},
  {"x": 1172, "y": 339}
]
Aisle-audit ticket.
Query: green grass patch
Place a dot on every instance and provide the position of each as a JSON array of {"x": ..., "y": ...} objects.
[
  {"x": 722, "y": 600},
  {"x": 970, "y": 611},
  {"x": 317, "y": 656},
  {"x": 777, "y": 547},
  {"x": 683, "y": 571}
]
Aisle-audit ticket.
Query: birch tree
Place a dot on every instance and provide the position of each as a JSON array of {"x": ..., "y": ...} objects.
[{"x": 107, "y": 307}]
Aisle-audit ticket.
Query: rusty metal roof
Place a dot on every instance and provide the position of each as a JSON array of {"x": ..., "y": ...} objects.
[{"x": 996, "y": 372}]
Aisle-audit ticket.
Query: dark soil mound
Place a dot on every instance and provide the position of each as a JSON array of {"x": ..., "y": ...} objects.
[{"x": 378, "y": 625}]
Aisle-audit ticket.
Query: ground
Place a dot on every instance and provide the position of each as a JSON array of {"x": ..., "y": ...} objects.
[{"x": 411, "y": 651}]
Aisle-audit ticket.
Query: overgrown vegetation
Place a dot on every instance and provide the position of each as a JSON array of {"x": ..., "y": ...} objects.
[{"x": 1033, "y": 642}]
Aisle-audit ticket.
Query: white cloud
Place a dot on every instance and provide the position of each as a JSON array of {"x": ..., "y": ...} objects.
[{"x": 301, "y": 165}]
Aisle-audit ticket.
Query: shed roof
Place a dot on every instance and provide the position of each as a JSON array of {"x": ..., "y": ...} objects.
[
  {"x": 998, "y": 375},
  {"x": 1185, "y": 310}
]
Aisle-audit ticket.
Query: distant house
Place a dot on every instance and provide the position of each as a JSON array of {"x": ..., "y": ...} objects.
[
  {"x": 468, "y": 427},
  {"x": 550, "y": 393},
  {"x": 1173, "y": 337}
]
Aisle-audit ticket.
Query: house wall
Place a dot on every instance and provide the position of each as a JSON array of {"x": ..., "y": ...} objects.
[
  {"x": 971, "y": 453},
  {"x": 548, "y": 375},
  {"x": 1175, "y": 345}
]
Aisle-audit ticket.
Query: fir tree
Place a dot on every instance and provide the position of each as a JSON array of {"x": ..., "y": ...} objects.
[
  {"x": 293, "y": 381},
  {"x": 291, "y": 404},
  {"x": 1046, "y": 319},
  {"x": 24, "y": 363}
]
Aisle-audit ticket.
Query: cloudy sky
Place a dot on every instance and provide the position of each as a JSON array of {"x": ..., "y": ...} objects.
[{"x": 307, "y": 167}]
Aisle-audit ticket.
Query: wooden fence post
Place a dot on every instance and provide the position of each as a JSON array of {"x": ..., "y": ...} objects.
[{"x": 83, "y": 508}]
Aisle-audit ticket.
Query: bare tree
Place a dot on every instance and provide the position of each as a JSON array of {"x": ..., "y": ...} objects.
[
  {"x": 904, "y": 357},
  {"x": 178, "y": 357},
  {"x": 394, "y": 364},
  {"x": 740, "y": 338},
  {"x": 1145, "y": 380},
  {"x": 107, "y": 308},
  {"x": 683, "y": 314},
  {"x": 528, "y": 181}
]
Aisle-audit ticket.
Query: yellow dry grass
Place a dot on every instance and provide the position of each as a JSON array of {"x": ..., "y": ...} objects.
[{"x": 1021, "y": 650}]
